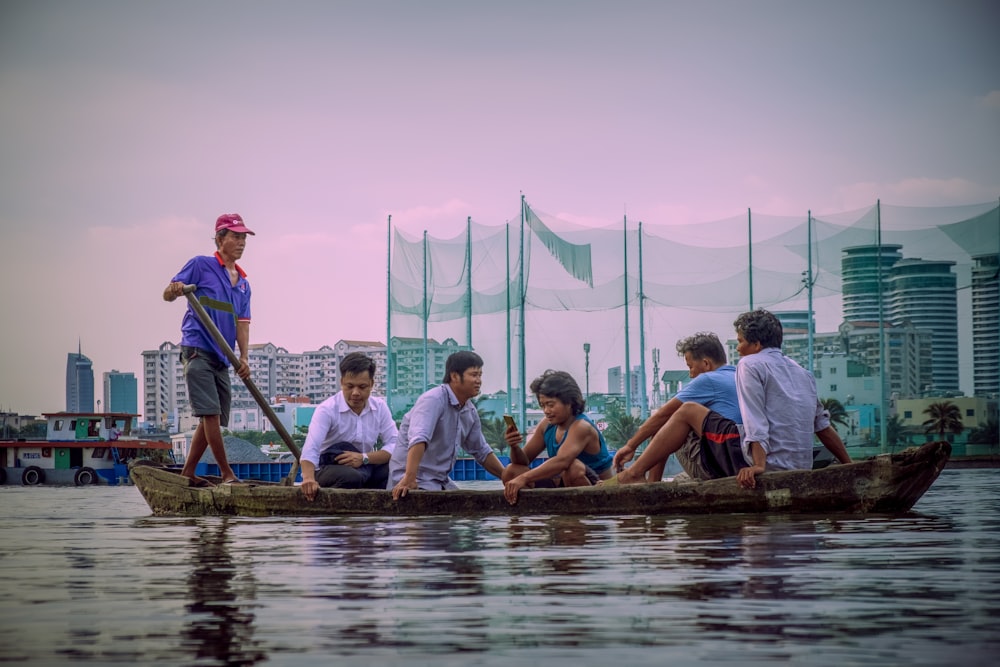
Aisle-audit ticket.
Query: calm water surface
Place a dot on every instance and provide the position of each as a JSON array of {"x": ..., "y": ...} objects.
[{"x": 88, "y": 576}]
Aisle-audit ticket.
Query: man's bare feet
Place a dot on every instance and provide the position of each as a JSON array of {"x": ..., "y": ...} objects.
[
  {"x": 198, "y": 482},
  {"x": 628, "y": 477}
]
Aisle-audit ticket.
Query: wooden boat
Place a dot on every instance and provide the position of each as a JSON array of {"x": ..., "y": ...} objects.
[{"x": 887, "y": 483}]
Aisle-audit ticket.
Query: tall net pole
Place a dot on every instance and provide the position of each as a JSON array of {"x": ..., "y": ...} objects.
[
  {"x": 643, "y": 402},
  {"x": 522, "y": 291},
  {"x": 627, "y": 375},
  {"x": 389, "y": 367},
  {"x": 883, "y": 366},
  {"x": 750, "y": 256},
  {"x": 507, "y": 291},
  {"x": 468, "y": 280},
  {"x": 809, "y": 291},
  {"x": 426, "y": 313}
]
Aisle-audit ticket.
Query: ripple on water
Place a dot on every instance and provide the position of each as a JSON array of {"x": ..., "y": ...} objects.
[{"x": 86, "y": 575}]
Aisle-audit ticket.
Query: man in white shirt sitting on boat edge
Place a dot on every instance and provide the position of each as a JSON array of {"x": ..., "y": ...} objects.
[{"x": 340, "y": 448}]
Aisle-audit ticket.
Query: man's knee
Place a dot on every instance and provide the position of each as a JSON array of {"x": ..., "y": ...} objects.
[
  {"x": 212, "y": 424},
  {"x": 340, "y": 477},
  {"x": 512, "y": 471},
  {"x": 576, "y": 475},
  {"x": 692, "y": 414}
]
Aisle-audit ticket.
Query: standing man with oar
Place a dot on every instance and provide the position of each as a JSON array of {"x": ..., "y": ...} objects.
[{"x": 224, "y": 292}]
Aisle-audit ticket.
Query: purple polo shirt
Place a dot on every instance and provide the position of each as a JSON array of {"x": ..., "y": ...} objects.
[{"x": 225, "y": 304}]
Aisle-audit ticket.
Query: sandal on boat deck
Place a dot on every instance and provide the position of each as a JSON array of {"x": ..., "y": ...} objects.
[{"x": 199, "y": 483}]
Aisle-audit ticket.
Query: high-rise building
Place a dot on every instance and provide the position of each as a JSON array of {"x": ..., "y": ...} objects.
[
  {"x": 276, "y": 372},
  {"x": 794, "y": 321},
  {"x": 986, "y": 326},
  {"x": 263, "y": 361},
  {"x": 121, "y": 392},
  {"x": 290, "y": 375},
  {"x": 321, "y": 368},
  {"x": 408, "y": 368},
  {"x": 374, "y": 349},
  {"x": 864, "y": 272},
  {"x": 915, "y": 293},
  {"x": 281, "y": 375},
  {"x": 79, "y": 383},
  {"x": 907, "y": 358},
  {"x": 923, "y": 293},
  {"x": 616, "y": 383},
  {"x": 164, "y": 390},
  {"x": 320, "y": 373}
]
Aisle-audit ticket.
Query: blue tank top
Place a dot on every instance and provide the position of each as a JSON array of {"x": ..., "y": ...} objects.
[{"x": 598, "y": 462}]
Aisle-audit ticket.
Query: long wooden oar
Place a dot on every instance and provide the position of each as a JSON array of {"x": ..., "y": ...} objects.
[{"x": 235, "y": 361}]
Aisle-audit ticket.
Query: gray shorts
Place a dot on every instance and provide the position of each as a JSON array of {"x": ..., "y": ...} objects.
[
  {"x": 689, "y": 456},
  {"x": 207, "y": 381}
]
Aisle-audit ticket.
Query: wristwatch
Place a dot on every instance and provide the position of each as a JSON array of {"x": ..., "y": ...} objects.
[{"x": 364, "y": 459}]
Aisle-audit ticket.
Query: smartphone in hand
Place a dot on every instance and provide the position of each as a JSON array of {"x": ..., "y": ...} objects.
[{"x": 509, "y": 421}]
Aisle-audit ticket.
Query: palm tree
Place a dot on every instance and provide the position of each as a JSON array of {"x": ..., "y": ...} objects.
[
  {"x": 621, "y": 426},
  {"x": 397, "y": 415},
  {"x": 986, "y": 433},
  {"x": 838, "y": 415},
  {"x": 893, "y": 432},
  {"x": 483, "y": 414},
  {"x": 493, "y": 430},
  {"x": 945, "y": 417}
]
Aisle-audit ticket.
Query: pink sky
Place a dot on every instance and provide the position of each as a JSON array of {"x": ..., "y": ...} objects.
[{"x": 127, "y": 128}]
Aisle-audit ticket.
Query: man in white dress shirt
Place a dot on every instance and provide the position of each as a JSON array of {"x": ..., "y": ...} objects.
[{"x": 340, "y": 448}]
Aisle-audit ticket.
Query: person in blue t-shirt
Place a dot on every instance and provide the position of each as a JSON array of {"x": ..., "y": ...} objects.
[
  {"x": 578, "y": 455},
  {"x": 225, "y": 293},
  {"x": 700, "y": 425}
]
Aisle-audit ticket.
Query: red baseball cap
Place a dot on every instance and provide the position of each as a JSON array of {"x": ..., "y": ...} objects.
[{"x": 232, "y": 222}]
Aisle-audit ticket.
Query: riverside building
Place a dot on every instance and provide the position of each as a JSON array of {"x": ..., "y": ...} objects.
[{"x": 284, "y": 376}]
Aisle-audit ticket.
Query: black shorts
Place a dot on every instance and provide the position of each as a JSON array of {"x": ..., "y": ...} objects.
[
  {"x": 207, "y": 381},
  {"x": 721, "y": 446}
]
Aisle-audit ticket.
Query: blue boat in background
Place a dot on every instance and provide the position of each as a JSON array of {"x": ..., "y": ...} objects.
[
  {"x": 464, "y": 470},
  {"x": 81, "y": 449}
]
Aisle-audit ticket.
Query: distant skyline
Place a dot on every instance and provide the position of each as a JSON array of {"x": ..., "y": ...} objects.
[
  {"x": 127, "y": 128},
  {"x": 79, "y": 383}
]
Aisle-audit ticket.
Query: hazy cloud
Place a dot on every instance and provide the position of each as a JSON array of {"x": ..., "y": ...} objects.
[{"x": 992, "y": 99}]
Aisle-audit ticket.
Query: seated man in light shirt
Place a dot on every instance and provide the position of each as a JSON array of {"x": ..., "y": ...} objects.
[
  {"x": 442, "y": 420},
  {"x": 778, "y": 400},
  {"x": 700, "y": 425},
  {"x": 340, "y": 448}
]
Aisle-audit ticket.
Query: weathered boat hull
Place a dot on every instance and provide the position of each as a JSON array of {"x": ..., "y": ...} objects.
[{"x": 888, "y": 483}]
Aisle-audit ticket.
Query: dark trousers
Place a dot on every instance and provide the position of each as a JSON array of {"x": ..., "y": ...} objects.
[
  {"x": 334, "y": 475},
  {"x": 368, "y": 476}
]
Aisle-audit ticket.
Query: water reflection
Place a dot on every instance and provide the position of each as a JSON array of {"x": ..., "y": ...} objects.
[
  {"x": 382, "y": 582},
  {"x": 554, "y": 545},
  {"x": 221, "y": 627},
  {"x": 97, "y": 588}
]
